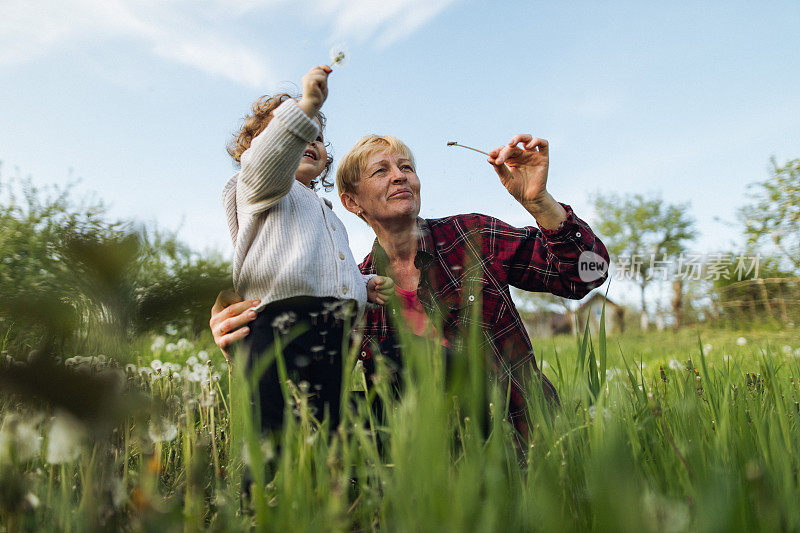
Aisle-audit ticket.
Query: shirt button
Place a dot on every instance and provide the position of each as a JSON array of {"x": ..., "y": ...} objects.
[
  {"x": 344, "y": 289},
  {"x": 363, "y": 354},
  {"x": 341, "y": 256},
  {"x": 578, "y": 234},
  {"x": 471, "y": 298}
]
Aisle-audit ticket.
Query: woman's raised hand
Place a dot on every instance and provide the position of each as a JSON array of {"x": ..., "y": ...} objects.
[
  {"x": 228, "y": 318},
  {"x": 523, "y": 171},
  {"x": 315, "y": 90}
]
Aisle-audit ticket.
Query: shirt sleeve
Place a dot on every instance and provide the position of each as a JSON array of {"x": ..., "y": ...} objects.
[
  {"x": 542, "y": 260},
  {"x": 269, "y": 165}
]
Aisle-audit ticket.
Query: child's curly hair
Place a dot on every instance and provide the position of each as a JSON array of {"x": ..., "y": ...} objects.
[{"x": 257, "y": 121}]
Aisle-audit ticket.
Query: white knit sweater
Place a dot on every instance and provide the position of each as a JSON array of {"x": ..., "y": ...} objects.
[{"x": 287, "y": 241}]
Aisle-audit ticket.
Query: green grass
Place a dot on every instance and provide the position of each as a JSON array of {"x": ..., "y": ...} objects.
[{"x": 711, "y": 444}]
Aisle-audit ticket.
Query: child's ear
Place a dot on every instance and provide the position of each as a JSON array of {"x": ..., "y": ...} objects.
[{"x": 350, "y": 203}]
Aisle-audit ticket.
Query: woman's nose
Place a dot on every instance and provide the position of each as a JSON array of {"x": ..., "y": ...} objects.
[{"x": 398, "y": 175}]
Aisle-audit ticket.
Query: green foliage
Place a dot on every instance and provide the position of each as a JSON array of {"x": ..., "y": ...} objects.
[
  {"x": 72, "y": 280},
  {"x": 774, "y": 212},
  {"x": 704, "y": 446},
  {"x": 636, "y": 225}
]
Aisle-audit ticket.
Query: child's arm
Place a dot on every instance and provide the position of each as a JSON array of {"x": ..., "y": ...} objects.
[
  {"x": 380, "y": 289},
  {"x": 269, "y": 165}
]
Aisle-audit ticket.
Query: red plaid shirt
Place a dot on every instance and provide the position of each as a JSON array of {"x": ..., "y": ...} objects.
[{"x": 475, "y": 258}]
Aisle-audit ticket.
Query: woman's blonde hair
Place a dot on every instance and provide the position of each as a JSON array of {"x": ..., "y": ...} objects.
[
  {"x": 354, "y": 161},
  {"x": 257, "y": 121}
]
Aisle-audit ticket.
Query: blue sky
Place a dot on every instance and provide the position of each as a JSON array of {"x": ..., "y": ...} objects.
[{"x": 138, "y": 98}]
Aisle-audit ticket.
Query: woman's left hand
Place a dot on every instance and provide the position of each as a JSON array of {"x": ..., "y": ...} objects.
[{"x": 523, "y": 171}]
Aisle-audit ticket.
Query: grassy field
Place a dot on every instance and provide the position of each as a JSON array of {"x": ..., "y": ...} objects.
[{"x": 660, "y": 431}]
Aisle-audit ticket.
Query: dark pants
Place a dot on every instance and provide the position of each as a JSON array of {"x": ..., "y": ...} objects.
[{"x": 313, "y": 359}]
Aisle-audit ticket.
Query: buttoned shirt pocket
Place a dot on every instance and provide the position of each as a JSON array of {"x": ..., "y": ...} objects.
[{"x": 462, "y": 305}]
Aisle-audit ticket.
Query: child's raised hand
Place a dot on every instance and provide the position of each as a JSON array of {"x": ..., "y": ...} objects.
[
  {"x": 379, "y": 289},
  {"x": 315, "y": 90}
]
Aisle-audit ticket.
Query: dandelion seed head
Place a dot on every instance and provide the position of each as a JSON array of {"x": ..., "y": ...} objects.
[
  {"x": 65, "y": 439},
  {"x": 19, "y": 439},
  {"x": 162, "y": 430},
  {"x": 339, "y": 55}
]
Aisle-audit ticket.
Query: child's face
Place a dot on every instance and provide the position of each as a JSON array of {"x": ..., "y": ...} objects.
[{"x": 313, "y": 162}]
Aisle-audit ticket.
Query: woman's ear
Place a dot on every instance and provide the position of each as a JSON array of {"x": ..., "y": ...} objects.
[{"x": 350, "y": 203}]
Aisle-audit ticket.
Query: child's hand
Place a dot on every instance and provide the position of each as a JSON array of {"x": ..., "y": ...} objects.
[
  {"x": 315, "y": 90},
  {"x": 379, "y": 289}
]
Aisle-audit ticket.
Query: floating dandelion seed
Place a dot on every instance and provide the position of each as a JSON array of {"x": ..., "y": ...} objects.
[
  {"x": 339, "y": 55},
  {"x": 454, "y": 143}
]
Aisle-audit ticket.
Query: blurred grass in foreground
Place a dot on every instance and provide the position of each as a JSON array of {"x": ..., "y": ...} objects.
[{"x": 656, "y": 432}]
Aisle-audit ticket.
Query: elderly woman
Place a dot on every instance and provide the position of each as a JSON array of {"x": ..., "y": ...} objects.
[{"x": 442, "y": 266}]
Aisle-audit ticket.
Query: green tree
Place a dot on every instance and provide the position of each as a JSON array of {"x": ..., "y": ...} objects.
[
  {"x": 774, "y": 212},
  {"x": 72, "y": 279},
  {"x": 642, "y": 232}
]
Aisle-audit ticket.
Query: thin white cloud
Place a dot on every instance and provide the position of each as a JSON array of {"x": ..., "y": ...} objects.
[
  {"x": 387, "y": 20},
  {"x": 192, "y": 34},
  {"x": 171, "y": 31}
]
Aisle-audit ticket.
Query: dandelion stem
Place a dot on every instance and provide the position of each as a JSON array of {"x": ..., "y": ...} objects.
[{"x": 454, "y": 143}]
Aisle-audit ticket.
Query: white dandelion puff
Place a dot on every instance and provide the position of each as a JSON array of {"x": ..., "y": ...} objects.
[
  {"x": 741, "y": 341},
  {"x": 162, "y": 430},
  {"x": 65, "y": 439},
  {"x": 19, "y": 439},
  {"x": 339, "y": 55}
]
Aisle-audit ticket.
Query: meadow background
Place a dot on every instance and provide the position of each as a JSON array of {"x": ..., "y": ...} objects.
[{"x": 672, "y": 133}]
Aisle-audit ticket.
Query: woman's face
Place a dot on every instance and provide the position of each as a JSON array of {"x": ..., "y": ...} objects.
[
  {"x": 313, "y": 161},
  {"x": 388, "y": 189}
]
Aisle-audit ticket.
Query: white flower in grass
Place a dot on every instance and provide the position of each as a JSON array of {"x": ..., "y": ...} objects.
[
  {"x": 544, "y": 364},
  {"x": 162, "y": 430},
  {"x": 707, "y": 348},
  {"x": 156, "y": 364},
  {"x": 216, "y": 376},
  {"x": 32, "y": 500},
  {"x": 65, "y": 439},
  {"x": 191, "y": 361},
  {"x": 726, "y": 358},
  {"x": 19, "y": 439},
  {"x": 194, "y": 377},
  {"x": 131, "y": 369},
  {"x": 786, "y": 349},
  {"x": 176, "y": 377},
  {"x": 202, "y": 355},
  {"x": 593, "y": 411},
  {"x": 796, "y": 352},
  {"x": 609, "y": 374},
  {"x": 158, "y": 343},
  {"x": 184, "y": 344},
  {"x": 674, "y": 364},
  {"x": 171, "y": 347},
  {"x": 741, "y": 341}
]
